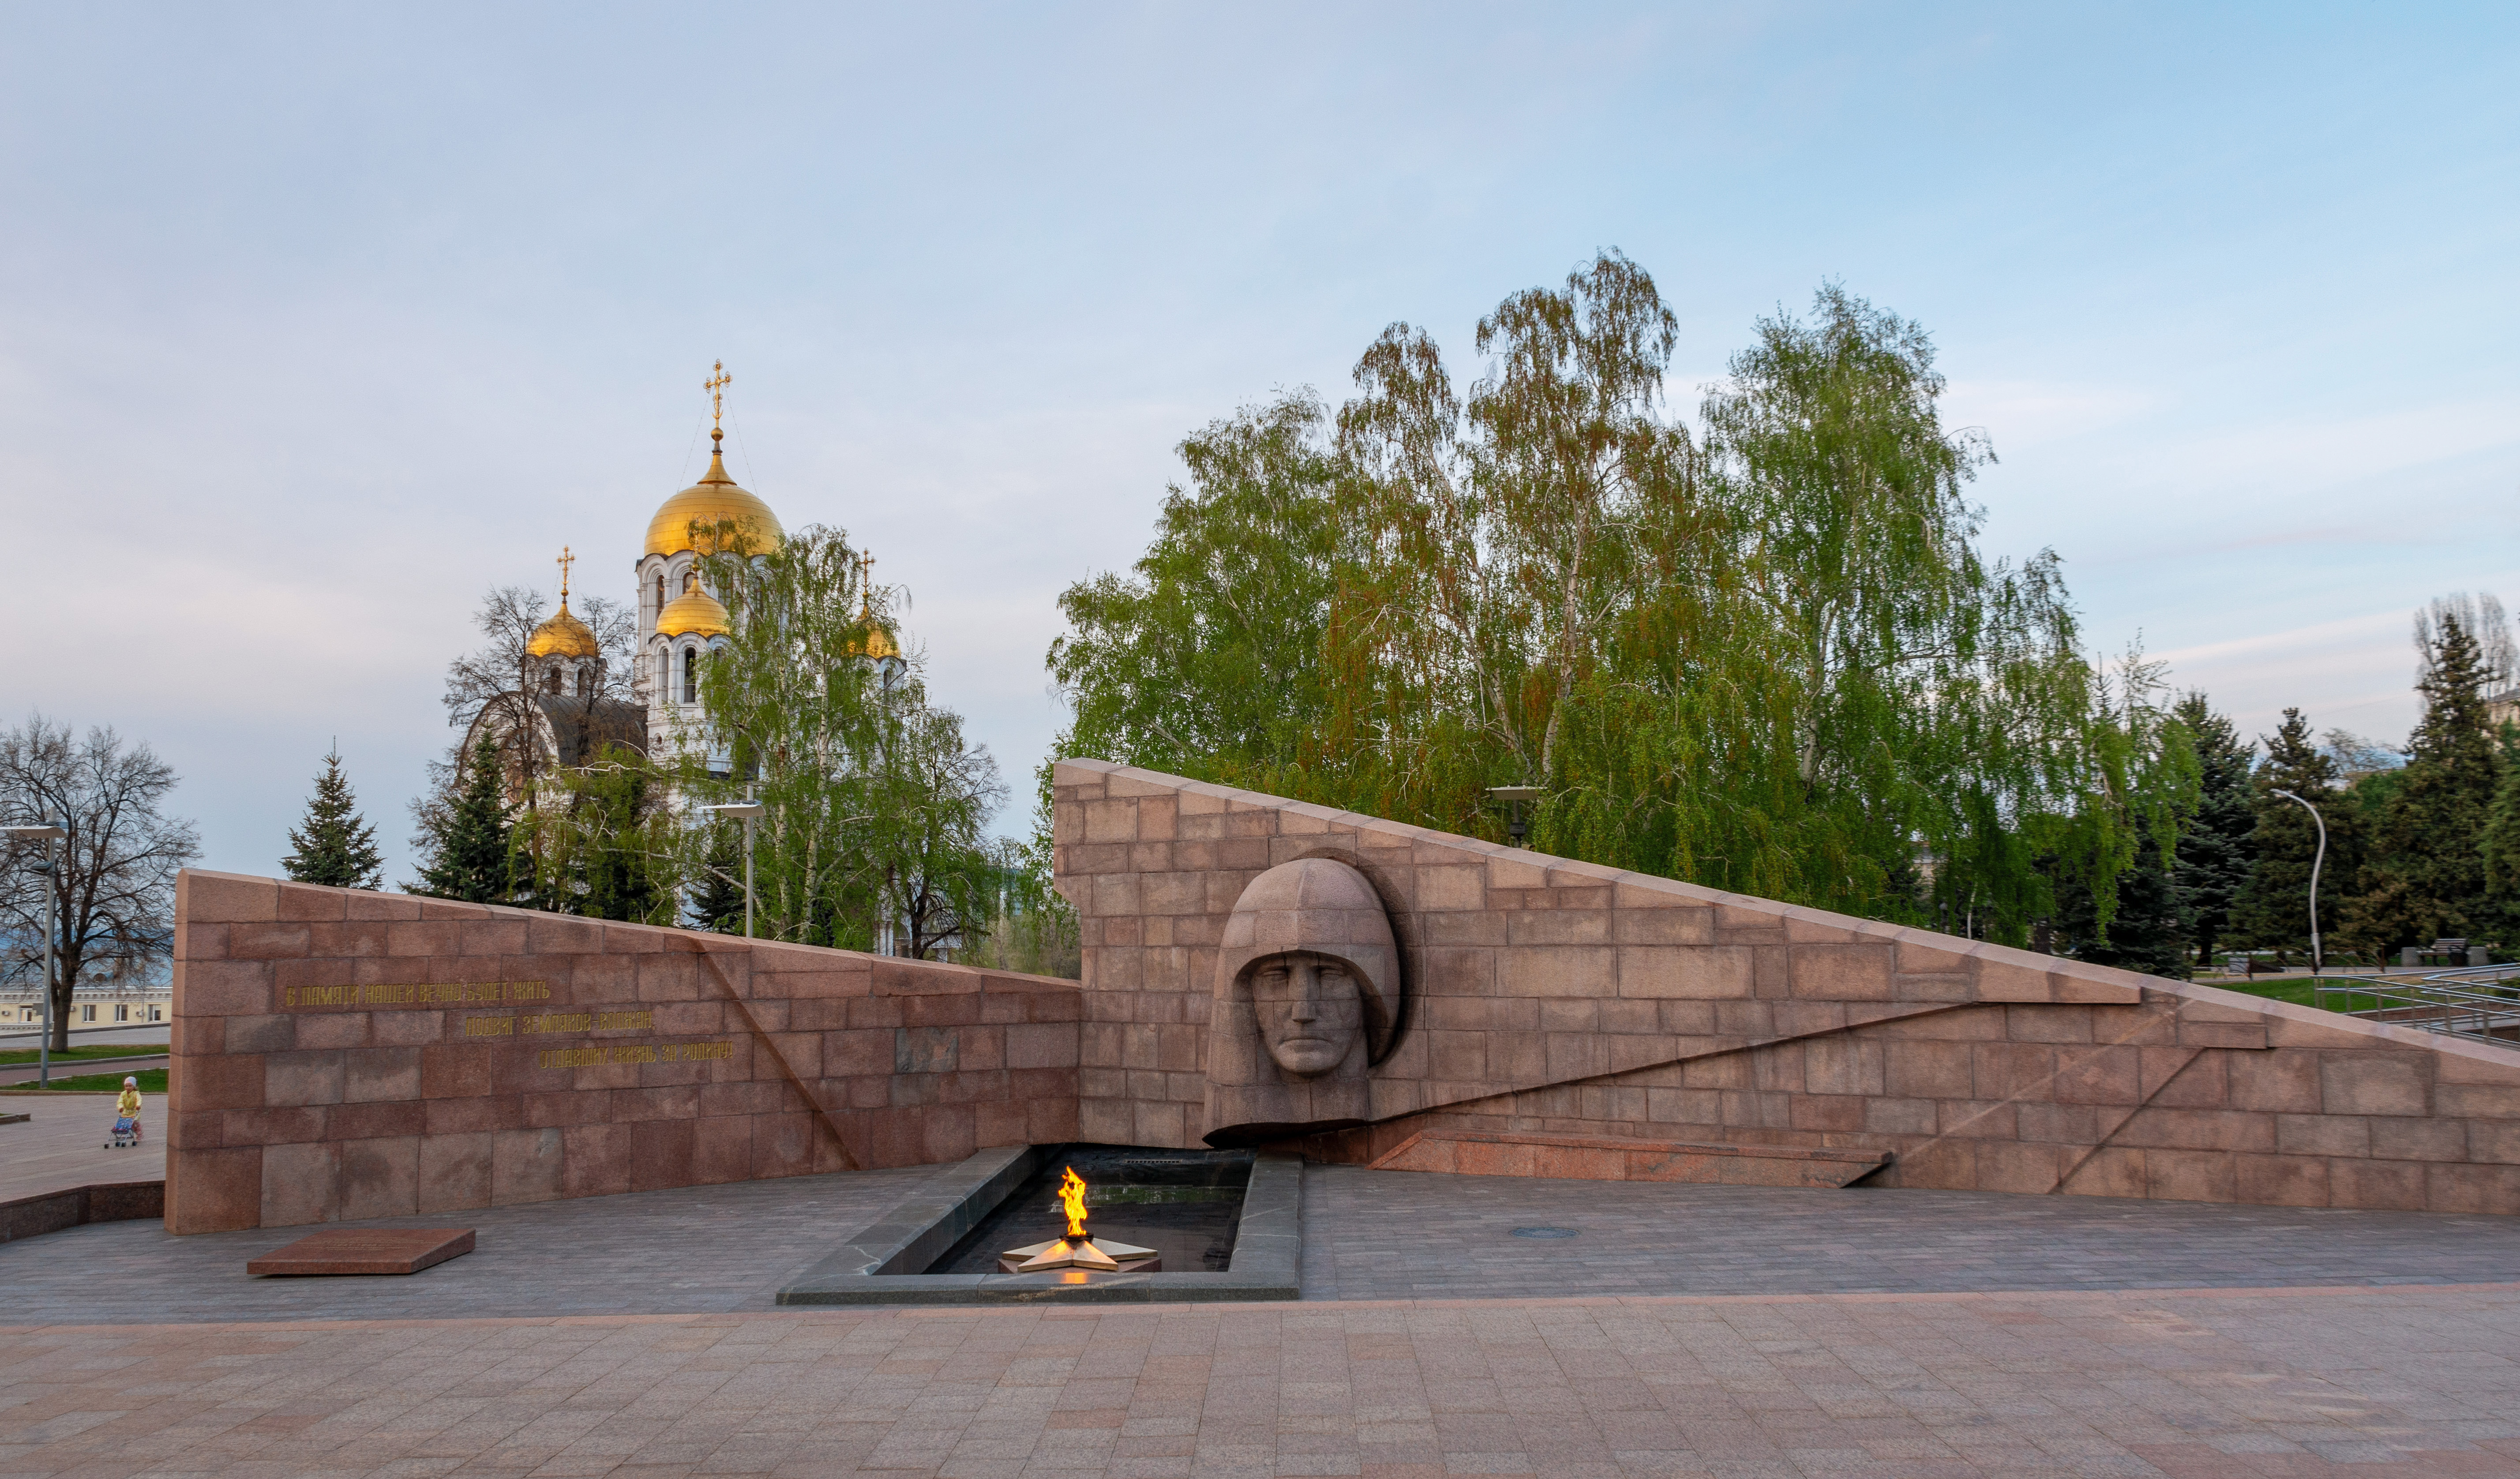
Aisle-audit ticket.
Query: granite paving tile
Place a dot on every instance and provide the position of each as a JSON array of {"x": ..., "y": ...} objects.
[
  {"x": 1759, "y": 1331},
  {"x": 1398, "y": 1234}
]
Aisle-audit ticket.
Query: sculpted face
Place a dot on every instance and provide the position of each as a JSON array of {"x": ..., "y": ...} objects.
[
  {"x": 1311, "y": 1010},
  {"x": 1306, "y": 1003}
]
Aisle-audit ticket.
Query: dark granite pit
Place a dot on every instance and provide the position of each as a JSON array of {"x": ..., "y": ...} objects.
[
  {"x": 1184, "y": 1204},
  {"x": 1232, "y": 1218}
]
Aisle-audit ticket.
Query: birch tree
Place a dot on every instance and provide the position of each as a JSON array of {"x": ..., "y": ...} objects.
[{"x": 876, "y": 807}]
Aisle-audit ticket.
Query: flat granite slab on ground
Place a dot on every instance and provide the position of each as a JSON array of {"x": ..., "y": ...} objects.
[
  {"x": 2214, "y": 1384},
  {"x": 364, "y": 1250}
]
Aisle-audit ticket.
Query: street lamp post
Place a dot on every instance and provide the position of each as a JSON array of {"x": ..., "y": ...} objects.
[
  {"x": 1515, "y": 826},
  {"x": 49, "y": 868},
  {"x": 2317, "y": 967},
  {"x": 750, "y": 813}
]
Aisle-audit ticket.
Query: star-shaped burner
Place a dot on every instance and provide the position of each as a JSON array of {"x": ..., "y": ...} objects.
[{"x": 1076, "y": 1250}]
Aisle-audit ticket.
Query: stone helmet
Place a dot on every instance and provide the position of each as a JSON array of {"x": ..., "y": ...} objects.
[{"x": 1323, "y": 906}]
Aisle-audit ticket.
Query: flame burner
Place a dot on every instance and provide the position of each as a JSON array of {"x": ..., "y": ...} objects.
[
  {"x": 1077, "y": 1250},
  {"x": 1071, "y": 1200}
]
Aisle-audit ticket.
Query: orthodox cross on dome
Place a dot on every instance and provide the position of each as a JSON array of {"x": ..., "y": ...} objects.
[
  {"x": 564, "y": 561},
  {"x": 717, "y": 385}
]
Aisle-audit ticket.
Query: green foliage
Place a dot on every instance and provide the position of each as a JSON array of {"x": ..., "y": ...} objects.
[
  {"x": 466, "y": 843},
  {"x": 599, "y": 841},
  {"x": 151, "y": 1081},
  {"x": 718, "y": 896},
  {"x": 11, "y": 1055},
  {"x": 2149, "y": 932},
  {"x": 334, "y": 845},
  {"x": 1206, "y": 661},
  {"x": 2215, "y": 853},
  {"x": 1031, "y": 927},
  {"x": 876, "y": 806},
  {"x": 2427, "y": 877},
  {"x": 2500, "y": 844},
  {"x": 2273, "y": 909},
  {"x": 1773, "y": 663}
]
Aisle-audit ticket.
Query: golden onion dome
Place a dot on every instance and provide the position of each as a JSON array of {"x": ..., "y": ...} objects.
[
  {"x": 562, "y": 635},
  {"x": 695, "y": 612},
  {"x": 714, "y": 500},
  {"x": 876, "y": 646}
]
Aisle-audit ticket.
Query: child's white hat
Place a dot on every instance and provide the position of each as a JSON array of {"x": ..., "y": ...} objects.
[{"x": 131, "y": 1083}]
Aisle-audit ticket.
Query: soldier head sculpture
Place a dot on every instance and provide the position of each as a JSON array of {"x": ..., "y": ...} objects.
[{"x": 1307, "y": 998}]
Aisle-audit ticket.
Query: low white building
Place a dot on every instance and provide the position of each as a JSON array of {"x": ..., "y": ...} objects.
[{"x": 119, "y": 1003}]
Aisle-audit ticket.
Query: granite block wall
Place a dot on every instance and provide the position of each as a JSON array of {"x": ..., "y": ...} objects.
[
  {"x": 1547, "y": 996},
  {"x": 341, "y": 1054}
]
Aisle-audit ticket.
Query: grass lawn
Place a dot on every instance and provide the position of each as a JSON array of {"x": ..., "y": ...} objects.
[
  {"x": 151, "y": 1081},
  {"x": 2296, "y": 990},
  {"x": 10, "y": 1055}
]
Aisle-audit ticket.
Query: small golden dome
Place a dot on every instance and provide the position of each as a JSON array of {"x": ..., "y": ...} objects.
[
  {"x": 695, "y": 612},
  {"x": 715, "y": 499},
  {"x": 562, "y": 635},
  {"x": 876, "y": 646}
]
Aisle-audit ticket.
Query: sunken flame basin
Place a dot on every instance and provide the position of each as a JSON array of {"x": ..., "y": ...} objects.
[{"x": 1077, "y": 1249}]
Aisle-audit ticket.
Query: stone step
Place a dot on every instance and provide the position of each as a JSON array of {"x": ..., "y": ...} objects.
[{"x": 1587, "y": 1157}]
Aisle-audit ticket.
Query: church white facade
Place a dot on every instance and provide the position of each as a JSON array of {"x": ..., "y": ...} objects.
[{"x": 680, "y": 621}]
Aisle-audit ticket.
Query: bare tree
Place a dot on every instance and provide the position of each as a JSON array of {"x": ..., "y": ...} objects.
[
  {"x": 117, "y": 865},
  {"x": 492, "y": 691},
  {"x": 2482, "y": 617}
]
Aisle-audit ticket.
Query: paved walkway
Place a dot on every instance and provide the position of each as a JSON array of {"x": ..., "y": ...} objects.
[
  {"x": 22, "y": 1039},
  {"x": 1367, "y": 1234},
  {"x": 2216, "y": 1385},
  {"x": 62, "y": 1145},
  {"x": 1680, "y": 1330},
  {"x": 697, "y": 1248},
  {"x": 1396, "y": 1235}
]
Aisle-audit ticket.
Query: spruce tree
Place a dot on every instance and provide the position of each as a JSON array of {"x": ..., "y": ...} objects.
[
  {"x": 2147, "y": 933},
  {"x": 469, "y": 848},
  {"x": 335, "y": 846},
  {"x": 617, "y": 875},
  {"x": 2273, "y": 909},
  {"x": 717, "y": 899},
  {"x": 2426, "y": 877},
  {"x": 2214, "y": 850}
]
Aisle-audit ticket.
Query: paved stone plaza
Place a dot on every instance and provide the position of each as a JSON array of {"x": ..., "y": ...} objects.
[
  {"x": 2345, "y": 1382},
  {"x": 1710, "y": 1331},
  {"x": 62, "y": 1143}
]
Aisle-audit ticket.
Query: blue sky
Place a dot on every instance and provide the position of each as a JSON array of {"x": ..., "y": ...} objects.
[{"x": 317, "y": 320}]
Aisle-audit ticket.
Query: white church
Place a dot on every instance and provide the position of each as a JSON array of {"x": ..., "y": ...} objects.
[{"x": 679, "y": 623}]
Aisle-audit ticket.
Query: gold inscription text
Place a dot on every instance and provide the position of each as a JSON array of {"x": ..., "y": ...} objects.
[
  {"x": 417, "y": 994},
  {"x": 643, "y": 1021},
  {"x": 632, "y": 1053}
]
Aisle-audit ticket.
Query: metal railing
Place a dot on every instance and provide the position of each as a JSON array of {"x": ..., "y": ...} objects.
[{"x": 2481, "y": 1003}]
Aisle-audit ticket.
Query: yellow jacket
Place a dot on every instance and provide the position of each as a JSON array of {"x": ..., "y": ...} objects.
[{"x": 129, "y": 1105}]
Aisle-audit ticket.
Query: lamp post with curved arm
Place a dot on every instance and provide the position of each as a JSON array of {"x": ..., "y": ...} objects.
[
  {"x": 2316, "y": 970},
  {"x": 48, "y": 834},
  {"x": 749, "y": 812}
]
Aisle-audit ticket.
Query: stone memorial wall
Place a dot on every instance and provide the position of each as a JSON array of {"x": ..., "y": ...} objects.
[
  {"x": 1262, "y": 973},
  {"x": 342, "y": 1055},
  {"x": 1548, "y": 1017}
]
